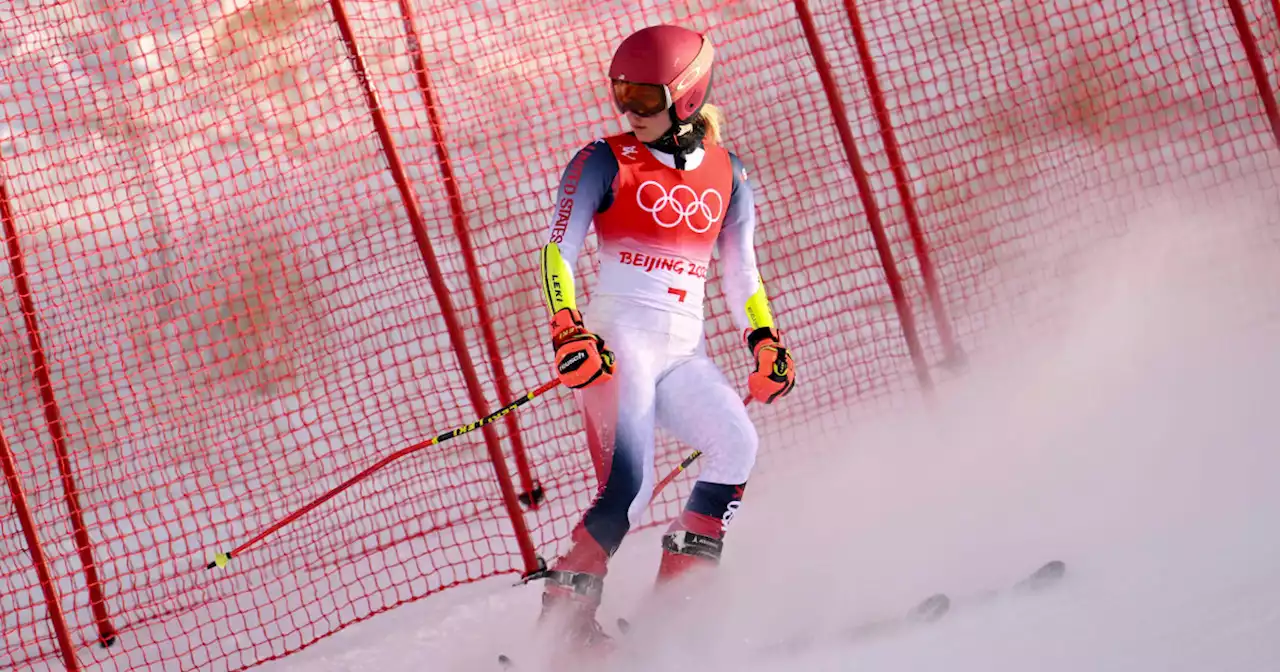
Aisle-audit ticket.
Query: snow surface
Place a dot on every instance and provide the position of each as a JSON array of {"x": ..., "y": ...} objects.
[{"x": 1139, "y": 446}]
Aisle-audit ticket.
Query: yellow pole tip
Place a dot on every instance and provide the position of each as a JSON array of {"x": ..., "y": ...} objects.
[{"x": 220, "y": 560}]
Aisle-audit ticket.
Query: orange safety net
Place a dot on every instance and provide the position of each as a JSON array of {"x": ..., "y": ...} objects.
[{"x": 236, "y": 314}]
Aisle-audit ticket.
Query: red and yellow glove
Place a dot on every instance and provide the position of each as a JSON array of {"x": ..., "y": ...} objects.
[
  {"x": 775, "y": 374},
  {"x": 582, "y": 359}
]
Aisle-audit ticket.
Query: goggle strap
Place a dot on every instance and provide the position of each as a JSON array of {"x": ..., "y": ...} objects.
[{"x": 700, "y": 66}]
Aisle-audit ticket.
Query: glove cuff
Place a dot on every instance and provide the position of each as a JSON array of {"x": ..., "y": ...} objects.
[
  {"x": 761, "y": 336},
  {"x": 565, "y": 324}
]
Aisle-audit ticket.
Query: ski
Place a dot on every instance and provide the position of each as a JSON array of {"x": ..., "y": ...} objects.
[{"x": 929, "y": 610}]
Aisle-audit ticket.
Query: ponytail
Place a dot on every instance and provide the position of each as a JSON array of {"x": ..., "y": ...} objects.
[
  {"x": 705, "y": 126},
  {"x": 713, "y": 118}
]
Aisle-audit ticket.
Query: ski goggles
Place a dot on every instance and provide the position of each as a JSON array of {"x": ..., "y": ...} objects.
[{"x": 645, "y": 100}]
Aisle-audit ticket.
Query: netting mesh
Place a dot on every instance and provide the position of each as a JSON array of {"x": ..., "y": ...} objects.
[
  {"x": 237, "y": 317},
  {"x": 1024, "y": 156}
]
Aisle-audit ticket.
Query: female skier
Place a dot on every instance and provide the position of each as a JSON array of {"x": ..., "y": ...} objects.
[{"x": 662, "y": 197}]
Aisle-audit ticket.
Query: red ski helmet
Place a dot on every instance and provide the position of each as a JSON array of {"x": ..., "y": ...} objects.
[{"x": 662, "y": 67}]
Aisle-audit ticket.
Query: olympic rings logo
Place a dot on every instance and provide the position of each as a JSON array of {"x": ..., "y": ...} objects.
[{"x": 680, "y": 206}]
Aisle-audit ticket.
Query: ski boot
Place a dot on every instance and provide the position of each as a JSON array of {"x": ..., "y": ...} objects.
[
  {"x": 693, "y": 544},
  {"x": 695, "y": 540},
  {"x": 571, "y": 596},
  {"x": 569, "y": 604}
]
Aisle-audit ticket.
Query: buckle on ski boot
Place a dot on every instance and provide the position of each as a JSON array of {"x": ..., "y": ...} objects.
[
  {"x": 685, "y": 542},
  {"x": 581, "y": 583},
  {"x": 586, "y": 585}
]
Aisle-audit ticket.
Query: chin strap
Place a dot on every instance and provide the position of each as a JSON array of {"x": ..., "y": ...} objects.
[{"x": 682, "y": 138}]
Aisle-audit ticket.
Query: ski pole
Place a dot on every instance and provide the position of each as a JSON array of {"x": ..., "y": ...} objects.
[
  {"x": 684, "y": 464},
  {"x": 221, "y": 559}
]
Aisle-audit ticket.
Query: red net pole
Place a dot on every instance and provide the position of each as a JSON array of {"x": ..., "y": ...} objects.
[
  {"x": 892, "y": 278},
  {"x": 57, "y": 428},
  {"x": 1256, "y": 64},
  {"x": 951, "y": 352},
  {"x": 529, "y": 486},
  {"x": 38, "y": 559},
  {"x": 419, "y": 228}
]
